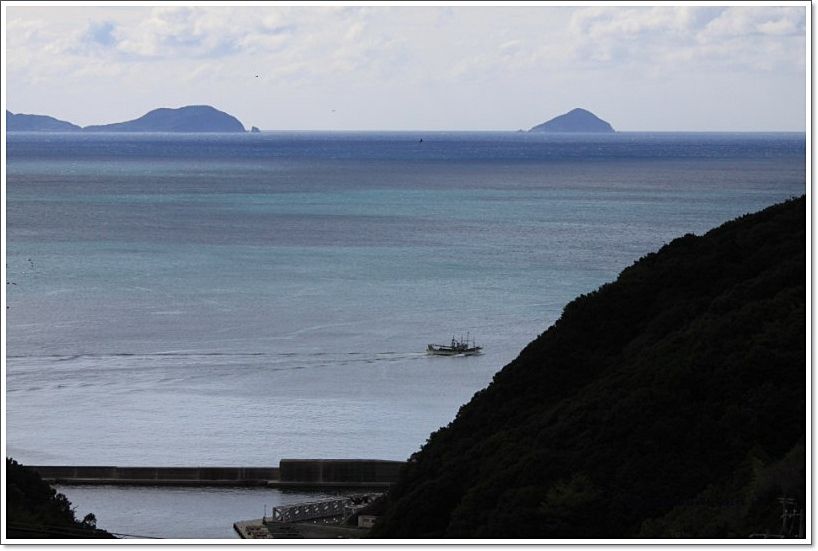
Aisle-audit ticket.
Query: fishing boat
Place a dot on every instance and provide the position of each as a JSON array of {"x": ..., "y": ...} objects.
[{"x": 455, "y": 348}]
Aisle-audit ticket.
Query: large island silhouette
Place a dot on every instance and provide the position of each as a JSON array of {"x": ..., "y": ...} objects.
[
  {"x": 19, "y": 122},
  {"x": 576, "y": 120},
  {"x": 191, "y": 118}
]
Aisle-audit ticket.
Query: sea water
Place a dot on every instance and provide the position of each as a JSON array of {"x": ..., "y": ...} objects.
[{"x": 232, "y": 300}]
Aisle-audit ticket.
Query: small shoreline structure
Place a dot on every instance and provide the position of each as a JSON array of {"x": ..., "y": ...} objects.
[
  {"x": 325, "y": 518},
  {"x": 457, "y": 347}
]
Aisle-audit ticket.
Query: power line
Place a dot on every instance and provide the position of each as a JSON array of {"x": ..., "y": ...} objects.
[
  {"x": 52, "y": 530},
  {"x": 65, "y": 530}
]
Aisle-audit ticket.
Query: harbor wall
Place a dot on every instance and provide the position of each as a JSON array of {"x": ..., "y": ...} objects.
[
  {"x": 290, "y": 472},
  {"x": 182, "y": 476},
  {"x": 338, "y": 472}
]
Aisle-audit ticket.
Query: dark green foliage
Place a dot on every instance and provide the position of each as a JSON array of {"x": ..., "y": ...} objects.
[
  {"x": 35, "y": 510},
  {"x": 669, "y": 403},
  {"x": 745, "y": 503}
]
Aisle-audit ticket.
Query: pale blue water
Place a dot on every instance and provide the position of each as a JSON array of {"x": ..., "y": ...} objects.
[{"x": 235, "y": 300}]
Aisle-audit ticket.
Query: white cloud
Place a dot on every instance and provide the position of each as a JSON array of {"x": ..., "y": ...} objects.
[
  {"x": 749, "y": 23},
  {"x": 181, "y": 32},
  {"x": 709, "y": 38}
]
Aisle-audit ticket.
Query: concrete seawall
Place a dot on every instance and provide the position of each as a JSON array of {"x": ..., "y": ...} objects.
[
  {"x": 364, "y": 473},
  {"x": 175, "y": 476},
  {"x": 338, "y": 472}
]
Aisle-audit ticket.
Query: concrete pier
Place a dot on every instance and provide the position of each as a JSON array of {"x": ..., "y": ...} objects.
[
  {"x": 257, "y": 529},
  {"x": 307, "y": 473}
]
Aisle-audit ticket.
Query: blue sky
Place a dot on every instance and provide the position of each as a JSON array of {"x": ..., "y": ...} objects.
[{"x": 705, "y": 67}]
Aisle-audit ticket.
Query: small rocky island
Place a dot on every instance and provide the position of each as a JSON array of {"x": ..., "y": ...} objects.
[
  {"x": 191, "y": 118},
  {"x": 576, "y": 120}
]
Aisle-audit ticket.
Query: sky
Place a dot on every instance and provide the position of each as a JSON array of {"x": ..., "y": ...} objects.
[{"x": 704, "y": 67}]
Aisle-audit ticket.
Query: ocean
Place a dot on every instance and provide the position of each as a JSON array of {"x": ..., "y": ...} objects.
[{"x": 232, "y": 300}]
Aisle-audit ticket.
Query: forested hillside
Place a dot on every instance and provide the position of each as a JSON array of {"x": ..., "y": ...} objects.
[
  {"x": 34, "y": 509},
  {"x": 669, "y": 403}
]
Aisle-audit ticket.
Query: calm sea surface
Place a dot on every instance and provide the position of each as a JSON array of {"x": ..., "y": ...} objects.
[{"x": 182, "y": 300}]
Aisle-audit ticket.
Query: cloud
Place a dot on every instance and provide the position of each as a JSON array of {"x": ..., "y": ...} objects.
[
  {"x": 286, "y": 40},
  {"x": 715, "y": 38},
  {"x": 180, "y": 32},
  {"x": 753, "y": 23}
]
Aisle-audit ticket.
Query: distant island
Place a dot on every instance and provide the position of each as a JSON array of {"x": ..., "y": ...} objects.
[
  {"x": 192, "y": 118},
  {"x": 37, "y": 123},
  {"x": 576, "y": 120},
  {"x": 204, "y": 118}
]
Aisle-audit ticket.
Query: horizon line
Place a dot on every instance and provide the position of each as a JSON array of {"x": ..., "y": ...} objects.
[
  {"x": 517, "y": 130},
  {"x": 406, "y": 130}
]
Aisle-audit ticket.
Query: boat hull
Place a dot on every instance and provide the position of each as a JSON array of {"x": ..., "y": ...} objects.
[{"x": 447, "y": 351}]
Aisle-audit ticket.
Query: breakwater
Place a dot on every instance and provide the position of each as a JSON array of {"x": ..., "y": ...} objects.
[{"x": 318, "y": 473}]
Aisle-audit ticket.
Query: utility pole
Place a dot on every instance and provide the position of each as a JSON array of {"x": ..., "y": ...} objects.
[{"x": 790, "y": 512}]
